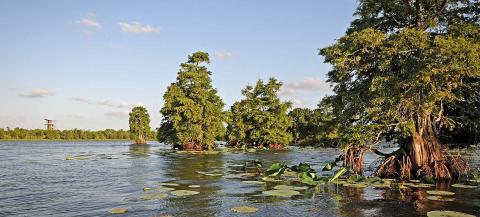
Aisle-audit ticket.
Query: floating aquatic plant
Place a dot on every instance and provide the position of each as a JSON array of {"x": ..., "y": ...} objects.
[
  {"x": 463, "y": 186},
  {"x": 282, "y": 193},
  {"x": 184, "y": 193},
  {"x": 244, "y": 209},
  {"x": 254, "y": 182},
  {"x": 154, "y": 196},
  {"x": 168, "y": 184},
  {"x": 288, "y": 187},
  {"x": 443, "y": 213},
  {"x": 194, "y": 186},
  {"x": 441, "y": 193},
  {"x": 117, "y": 211},
  {"x": 163, "y": 188},
  {"x": 440, "y": 198}
]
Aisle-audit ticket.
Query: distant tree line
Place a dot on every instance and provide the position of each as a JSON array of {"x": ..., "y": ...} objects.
[{"x": 75, "y": 134}]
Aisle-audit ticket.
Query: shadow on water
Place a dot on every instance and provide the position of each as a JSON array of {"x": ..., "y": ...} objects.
[{"x": 139, "y": 150}]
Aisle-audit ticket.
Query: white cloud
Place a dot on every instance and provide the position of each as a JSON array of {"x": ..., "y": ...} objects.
[
  {"x": 117, "y": 114},
  {"x": 108, "y": 103},
  {"x": 297, "y": 103},
  {"x": 223, "y": 55},
  {"x": 82, "y": 100},
  {"x": 73, "y": 116},
  {"x": 136, "y": 27},
  {"x": 37, "y": 93},
  {"x": 90, "y": 21},
  {"x": 307, "y": 84}
]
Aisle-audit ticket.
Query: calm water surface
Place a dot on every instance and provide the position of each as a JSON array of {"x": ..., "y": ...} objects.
[{"x": 37, "y": 180}]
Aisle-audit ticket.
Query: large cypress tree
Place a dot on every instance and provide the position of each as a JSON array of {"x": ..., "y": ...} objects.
[
  {"x": 193, "y": 112},
  {"x": 139, "y": 122},
  {"x": 260, "y": 119},
  {"x": 400, "y": 66}
]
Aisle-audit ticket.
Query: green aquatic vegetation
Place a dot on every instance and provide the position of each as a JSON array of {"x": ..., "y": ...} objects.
[
  {"x": 146, "y": 189},
  {"x": 428, "y": 180},
  {"x": 168, "y": 184},
  {"x": 288, "y": 187},
  {"x": 281, "y": 193},
  {"x": 276, "y": 169},
  {"x": 355, "y": 185},
  {"x": 312, "y": 179},
  {"x": 154, "y": 196},
  {"x": 69, "y": 158},
  {"x": 163, "y": 188},
  {"x": 422, "y": 185},
  {"x": 441, "y": 193},
  {"x": 244, "y": 209},
  {"x": 254, "y": 182},
  {"x": 440, "y": 198},
  {"x": 82, "y": 158},
  {"x": 372, "y": 180},
  {"x": 339, "y": 173},
  {"x": 380, "y": 185},
  {"x": 117, "y": 211},
  {"x": 302, "y": 167},
  {"x": 194, "y": 186},
  {"x": 463, "y": 186},
  {"x": 445, "y": 213},
  {"x": 184, "y": 193},
  {"x": 354, "y": 178}
]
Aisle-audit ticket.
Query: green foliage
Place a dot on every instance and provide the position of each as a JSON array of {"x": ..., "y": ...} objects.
[
  {"x": 276, "y": 169},
  {"x": 260, "y": 118},
  {"x": 75, "y": 134},
  {"x": 314, "y": 127},
  {"x": 338, "y": 173},
  {"x": 139, "y": 123},
  {"x": 192, "y": 112},
  {"x": 401, "y": 65}
]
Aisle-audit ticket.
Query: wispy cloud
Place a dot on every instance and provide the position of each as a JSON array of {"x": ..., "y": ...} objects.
[
  {"x": 307, "y": 84},
  {"x": 136, "y": 27},
  {"x": 108, "y": 103},
  {"x": 82, "y": 100},
  {"x": 296, "y": 103},
  {"x": 90, "y": 21},
  {"x": 223, "y": 55},
  {"x": 37, "y": 93},
  {"x": 117, "y": 114}
]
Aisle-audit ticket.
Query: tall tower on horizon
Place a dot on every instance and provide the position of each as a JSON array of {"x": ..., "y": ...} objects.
[{"x": 50, "y": 124}]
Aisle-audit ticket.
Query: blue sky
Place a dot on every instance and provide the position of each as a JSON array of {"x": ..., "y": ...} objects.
[{"x": 86, "y": 63}]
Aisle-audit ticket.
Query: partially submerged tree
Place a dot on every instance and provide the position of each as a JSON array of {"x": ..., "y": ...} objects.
[
  {"x": 260, "y": 119},
  {"x": 400, "y": 64},
  {"x": 139, "y": 122},
  {"x": 192, "y": 112}
]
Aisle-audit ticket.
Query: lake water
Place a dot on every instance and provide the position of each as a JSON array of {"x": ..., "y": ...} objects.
[{"x": 37, "y": 180}]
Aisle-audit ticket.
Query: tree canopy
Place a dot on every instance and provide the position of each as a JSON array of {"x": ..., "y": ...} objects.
[
  {"x": 139, "y": 123},
  {"x": 399, "y": 67},
  {"x": 260, "y": 119},
  {"x": 193, "y": 112}
]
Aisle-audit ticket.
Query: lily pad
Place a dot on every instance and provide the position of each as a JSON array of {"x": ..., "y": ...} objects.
[
  {"x": 168, "y": 184},
  {"x": 154, "y": 196},
  {"x": 422, "y": 185},
  {"x": 463, "y": 186},
  {"x": 163, "y": 188},
  {"x": 288, "y": 187},
  {"x": 443, "y": 213},
  {"x": 441, "y": 193},
  {"x": 209, "y": 174},
  {"x": 81, "y": 158},
  {"x": 254, "y": 182},
  {"x": 69, "y": 158},
  {"x": 380, "y": 185},
  {"x": 244, "y": 209},
  {"x": 356, "y": 185},
  {"x": 194, "y": 186},
  {"x": 146, "y": 189},
  {"x": 184, "y": 193},
  {"x": 281, "y": 193},
  {"x": 117, "y": 211},
  {"x": 440, "y": 198}
]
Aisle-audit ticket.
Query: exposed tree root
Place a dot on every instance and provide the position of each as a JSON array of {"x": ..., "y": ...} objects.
[
  {"x": 398, "y": 165},
  {"x": 354, "y": 157}
]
